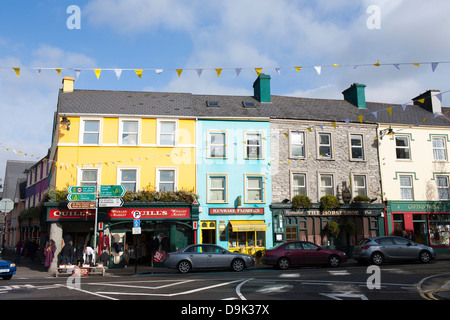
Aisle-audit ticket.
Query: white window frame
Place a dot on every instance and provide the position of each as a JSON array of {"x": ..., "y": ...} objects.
[
  {"x": 294, "y": 187},
  {"x": 362, "y": 146},
  {"x": 330, "y": 145},
  {"x": 82, "y": 131},
  {"x": 86, "y": 168},
  {"x": 302, "y": 144},
  {"x": 408, "y": 147},
  {"x": 121, "y": 131},
  {"x": 321, "y": 187},
  {"x": 138, "y": 173},
  {"x": 445, "y": 187},
  {"x": 209, "y": 187},
  {"x": 260, "y": 146},
  {"x": 175, "y": 177},
  {"x": 443, "y": 149},
  {"x": 409, "y": 187},
  {"x": 263, "y": 188},
  {"x": 355, "y": 188},
  {"x": 175, "y": 133},
  {"x": 210, "y": 144}
]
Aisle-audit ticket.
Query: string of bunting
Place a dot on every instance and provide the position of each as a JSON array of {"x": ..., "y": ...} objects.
[{"x": 258, "y": 70}]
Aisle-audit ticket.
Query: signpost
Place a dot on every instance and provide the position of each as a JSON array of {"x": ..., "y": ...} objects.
[
  {"x": 81, "y": 189},
  {"x": 81, "y": 205},
  {"x": 81, "y": 197},
  {"x": 114, "y": 191},
  {"x": 110, "y": 202}
]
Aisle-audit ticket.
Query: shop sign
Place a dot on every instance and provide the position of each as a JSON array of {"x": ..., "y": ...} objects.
[
  {"x": 421, "y": 206},
  {"x": 333, "y": 213},
  {"x": 235, "y": 211},
  {"x": 150, "y": 213},
  {"x": 62, "y": 214}
]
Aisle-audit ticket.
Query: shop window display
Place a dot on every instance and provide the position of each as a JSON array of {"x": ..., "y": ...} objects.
[
  {"x": 246, "y": 241},
  {"x": 439, "y": 229}
]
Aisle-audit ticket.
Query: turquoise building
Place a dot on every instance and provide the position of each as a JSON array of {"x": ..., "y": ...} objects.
[{"x": 234, "y": 182}]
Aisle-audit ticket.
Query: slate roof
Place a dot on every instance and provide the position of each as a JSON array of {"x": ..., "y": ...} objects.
[{"x": 160, "y": 104}]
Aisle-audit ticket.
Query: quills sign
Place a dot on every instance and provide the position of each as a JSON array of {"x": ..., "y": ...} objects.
[
  {"x": 56, "y": 214},
  {"x": 145, "y": 213}
]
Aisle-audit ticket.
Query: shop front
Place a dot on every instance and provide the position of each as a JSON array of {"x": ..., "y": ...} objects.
[
  {"x": 351, "y": 222},
  {"x": 120, "y": 239},
  {"x": 426, "y": 222}
]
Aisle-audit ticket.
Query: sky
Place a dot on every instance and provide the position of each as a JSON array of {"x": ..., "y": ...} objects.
[{"x": 336, "y": 43}]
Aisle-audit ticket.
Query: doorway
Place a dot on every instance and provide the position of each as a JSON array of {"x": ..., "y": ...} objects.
[{"x": 208, "y": 232}]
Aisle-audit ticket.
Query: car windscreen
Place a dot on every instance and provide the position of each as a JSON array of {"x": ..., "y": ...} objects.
[{"x": 363, "y": 242}]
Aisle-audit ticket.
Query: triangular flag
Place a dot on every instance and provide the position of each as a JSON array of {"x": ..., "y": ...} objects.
[
  {"x": 397, "y": 66},
  {"x": 298, "y": 68},
  {"x": 334, "y": 124},
  {"x": 347, "y": 121},
  {"x": 321, "y": 126},
  {"x": 335, "y": 65},
  {"x": 318, "y": 69},
  {"x": 404, "y": 106},
  {"x": 360, "y": 118},
  {"x": 139, "y": 72},
  {"x": 421, "y": 100},
  {"x": 179, "y": 71},
  {"x": 39, "y": 71},
  {"x": 309, "y": 129},
  {"x": 97, "y": 72},
  {"x": 159, "y": 71},
  {"x": 77, "y": 72},
  {"x": 374, "y": 114},
  {"x": 218, "y": 71},
  {"x": 439, "y": 96},
  {"x": 118, "y": 73},
  {"x": 258, "y": 71},
  {"x": 390, "y": 111},
  {"x": 199, "y": 72},
  {"x": 17, "y": 70},
  {"x": 238, "y": 71},
  {"x": 416, "y": 64},
  {"x": 58, "y": 70},
  {"x": 277, "y": 70},
  {"x": 377, "y": 64},
  {"x": 434, "y": 65}
]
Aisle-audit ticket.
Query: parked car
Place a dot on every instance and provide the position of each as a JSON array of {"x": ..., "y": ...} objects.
[
  {"x": 207, "y": 256},
  {"x": 380, "y": 249},
  {"x": 7, "y": 269},
  {"x": 302, "y": 253}
]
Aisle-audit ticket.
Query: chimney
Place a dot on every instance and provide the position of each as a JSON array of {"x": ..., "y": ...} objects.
[
  {"x": 261, "y": 88},
  {"x": 68, "y": 84},
  {"x": 429, "y": 101},
  {"x": 356, "y": 95}
]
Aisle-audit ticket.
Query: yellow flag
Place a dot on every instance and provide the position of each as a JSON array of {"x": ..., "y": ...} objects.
[
  {"x": 334, "y": 124},
  {"x": 336, "y": 65},
  {"x": 416, "y": 64},
  {"x": 360, "y": 118},
  {"x": 218, "y": 71},
  {"x": 179, "y": 71},
  {"x": 258, "y": 71},
  {"x": 97, "y": 72},
  {"x": 390, "y": 111},
  {"x": 139, "y": 72},
  {"x": 58, "y": 70},
  {"x": 377, "y": 64},
  {"x": 309, "y": 129},
  {"x": 17, "y": 70},
  {"x": 421, "y": 100},
  {"x": 298, "y": 68}
]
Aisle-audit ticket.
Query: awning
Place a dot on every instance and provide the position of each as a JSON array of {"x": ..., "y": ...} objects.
[{"x": 255, "y": 225}]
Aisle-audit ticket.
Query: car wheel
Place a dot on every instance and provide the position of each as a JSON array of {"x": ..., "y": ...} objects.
[
  {"x": 8, "y": 277},
  {"x": 184, "y": 266},
  {"x": 334, "y": 261},
  {"x": 424, "y": 257},
  {"x": 283, "y": 263},
  {"x": 238, "y": 265},
  {"x": 377, "y": 258}
]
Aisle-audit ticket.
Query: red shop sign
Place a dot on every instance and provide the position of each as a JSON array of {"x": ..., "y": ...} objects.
[
  {"x": 150, "y": 213},
  {"x": 62, "y": 214}
]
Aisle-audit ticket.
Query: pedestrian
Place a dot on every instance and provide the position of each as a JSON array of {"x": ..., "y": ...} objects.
[
  {"x": 19, "y": 251},
  {"x": 88, "y": 255},
  {"x": 154, "y": 246},
  {"x": 67, "y": 253},
  {"x": 411, "y": 236},
  {"x": 49, "y": 252}
]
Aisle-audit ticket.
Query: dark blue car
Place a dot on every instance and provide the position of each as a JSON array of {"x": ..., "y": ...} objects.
[{"x": 7, "y": 269}]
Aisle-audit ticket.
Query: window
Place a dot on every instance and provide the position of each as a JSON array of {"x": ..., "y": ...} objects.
[
  {"x": 217, "y": 189},
  {"x": 439, "y": 149},
  {"x": 254, "y": 189},
  {"x": 443, "y": 187},
  {"x": 217, "y": 145},
  {"x": 326, "y": 185},
  {"x": 297, "y": 147},
  {"x": 298, "y": 184},
  {"x": 166, "y": 180},
  {"x": 359, "y": 185},
  {"x": 88, "y": 177},
  {"x": 253, "y": 148},
  {"x": 357, "y": 147},
  {"x": 402, "y": 147},
  {"x": 325, "y": 147},
  {"x": 166, "y": 133},
  {"x": 406, "y": 189},
  {"x": 129, "y": 132},
  {"x": 91, "y": 131},
  {"x": 128, "y": 179}
]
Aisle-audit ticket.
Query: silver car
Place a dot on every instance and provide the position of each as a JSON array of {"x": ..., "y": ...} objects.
[
  {"x": 380, "y": 249},
  {"x": 201, "y": 256}
]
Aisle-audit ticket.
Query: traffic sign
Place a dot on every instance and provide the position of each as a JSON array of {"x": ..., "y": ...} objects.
[
  {"x": 82, "y": 189},
  {"x": 81, "y": 205},
  {"x": 81, "y": 197},
  {"x": 136, "y": 231},
  {"x": 137, "y": 223},
  {"x": 112, "y": 191},
  {"x": 136, "y": 214},
  {"x": 110, "y": 202},
  {"x": 6, "y": 205}
]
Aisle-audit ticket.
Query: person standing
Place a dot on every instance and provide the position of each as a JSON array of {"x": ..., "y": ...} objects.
[
  {"x": 67, "y": 253},
  {"x": 49, "y": 252},
  {"x": 18, "y": 250},
  {"x": 154, "y": 246}
]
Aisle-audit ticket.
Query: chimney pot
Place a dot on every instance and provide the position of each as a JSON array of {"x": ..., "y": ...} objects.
[
  {"x": 68, "y": 84},
  {"x": 355, "y": 95},
  {"x": 261, "y": 88}
]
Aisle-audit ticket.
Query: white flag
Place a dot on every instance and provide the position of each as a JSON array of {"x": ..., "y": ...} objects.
[{"x": 118, "y": 73}]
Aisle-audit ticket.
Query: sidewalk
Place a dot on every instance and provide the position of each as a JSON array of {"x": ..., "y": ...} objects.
[{"x": 27, "y": 269}]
